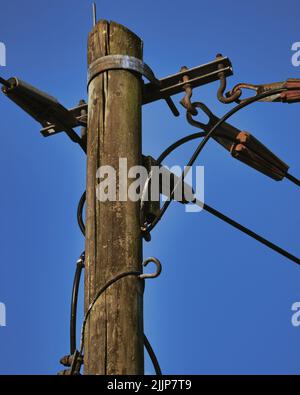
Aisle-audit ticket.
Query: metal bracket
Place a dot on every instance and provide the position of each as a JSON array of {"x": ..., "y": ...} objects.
[
  {"x": 200, "y": 75},
  {"x": 76, "y": 118}
]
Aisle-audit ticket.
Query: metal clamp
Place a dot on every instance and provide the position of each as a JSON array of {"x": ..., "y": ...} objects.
[
  {"x": 125, "y": 62},
  {"x": 120, "y": 62}
]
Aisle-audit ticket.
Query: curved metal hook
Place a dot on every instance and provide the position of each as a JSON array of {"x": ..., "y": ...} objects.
[
  {"x": 229, "y": 97},
  {"x": 158, "y": 268},
  {"x": 186, "y": 100}
]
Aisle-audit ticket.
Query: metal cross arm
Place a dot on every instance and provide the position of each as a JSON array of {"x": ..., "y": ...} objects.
[
  {"x": 200, "y": 75},
  {"x": 55, "y": 118}
]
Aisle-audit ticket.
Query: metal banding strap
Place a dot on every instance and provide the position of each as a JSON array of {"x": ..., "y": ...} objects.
[
  {"x": 125, "y": 62},
  {"x": 121, "y": 62}
]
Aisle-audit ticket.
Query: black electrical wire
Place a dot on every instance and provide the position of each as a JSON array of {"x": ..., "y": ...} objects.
[
  {"x": 80, "y": 213},
  {"x": 202, "y": 144},
  {"x": 177, "y": 144},
  {"x": 98, "y": 294},
  {"x": 293, "y": 179},
  {"x": 252, "y": 234},
  {"x": 74, "y": 300},
  {"x": 152, "y": 356},
  {"x": 77, "y": 277}
]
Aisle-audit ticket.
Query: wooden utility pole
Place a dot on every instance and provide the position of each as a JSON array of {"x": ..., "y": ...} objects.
[{"x": 114, "y": 333}]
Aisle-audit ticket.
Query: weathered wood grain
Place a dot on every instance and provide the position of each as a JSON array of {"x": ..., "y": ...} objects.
[{"x": 114, "y": 334}]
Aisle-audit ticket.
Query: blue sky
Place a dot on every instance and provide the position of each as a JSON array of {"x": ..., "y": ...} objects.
[{"x": 223, "y": 302}]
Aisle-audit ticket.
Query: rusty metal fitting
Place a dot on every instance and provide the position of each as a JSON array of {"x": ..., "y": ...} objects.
[
  {"x": 238, "y": 89},
  {"x": 253, "y": 153},
  {"x": 229, "y": 97},
  {"x": 186, "y": 100},
  {"x": 290, "y": 95}
]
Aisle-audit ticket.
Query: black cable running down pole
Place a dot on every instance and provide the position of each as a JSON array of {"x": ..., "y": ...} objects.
[
  {"x": 80, "y": 213},
  {"x": 74, "y": 300},
  {"x": 152, "y": 356},
  {"x": 77, "y": 277}
]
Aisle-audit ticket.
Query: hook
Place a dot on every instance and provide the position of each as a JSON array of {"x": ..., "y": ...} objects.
[
  {"x": 228, "y": 98},
  {"x": 186, "y": 101},
  {"x": 158, "y": 268}
]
